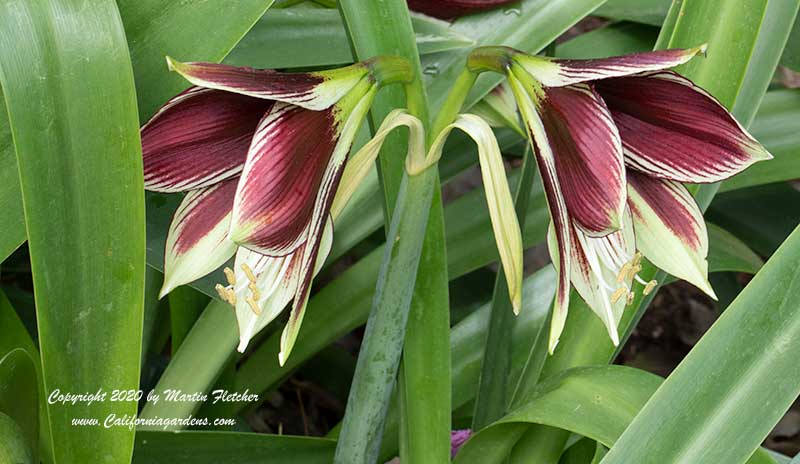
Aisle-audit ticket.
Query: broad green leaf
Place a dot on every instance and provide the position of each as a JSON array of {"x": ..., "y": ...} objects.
[
  {"x": 70, "y": 96},
  {"x": 19, "y": 387},
  {"x": 650, "y": 12},
  {"x": 230, "y": 448},
  {"x": 291, "y": 38},
  {"x": 735, "y": 384},
  {"x": 776, "y": 125},
  {"x": 13, "y": 446},
  {"x": 597, "y": 402}
]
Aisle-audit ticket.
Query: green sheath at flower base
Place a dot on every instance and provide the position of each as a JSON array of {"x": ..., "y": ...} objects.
[
  {"x": 262, "y": 153},
  {"x": 615, "y": 138}
]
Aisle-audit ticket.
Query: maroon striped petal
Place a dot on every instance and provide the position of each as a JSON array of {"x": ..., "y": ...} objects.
[
  {"x": 314, "y": 91},
  {"x": 198, "y": 138},
  {"x": 669, "y": 228},
  {"x": 288, "y": 171},
  {"x": 263, "y": 286},
  {"x": 197, "y": 241},
  {"x": 447, "y": 9},
  {"x": 313, "y": 255},
  {"x": 588, "y": 156},
  {"x": 673, "y": 129},
  {"x": 559, "y": 73},
  {"x": 597, "y": 263}
]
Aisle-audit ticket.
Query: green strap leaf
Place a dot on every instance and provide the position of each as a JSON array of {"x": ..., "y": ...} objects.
[
  {"x": 596, "y": 402},
  {"x": 735, "y": 384},
  {"x": 69, "y": 91}
]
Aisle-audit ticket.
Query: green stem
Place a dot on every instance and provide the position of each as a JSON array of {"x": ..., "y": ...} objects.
[
  {"x": 453, "y": 103},
  {"x": 379, "y": 356},
  {"x": 491, "y": 399},
  {"x": 412, "y": 210}
]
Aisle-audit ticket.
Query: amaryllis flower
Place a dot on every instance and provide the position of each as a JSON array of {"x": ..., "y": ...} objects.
[
  {"x": 615, "y": 138},
  {"x": 260, "y": 154},
  {"x": 447, "y": 9}
]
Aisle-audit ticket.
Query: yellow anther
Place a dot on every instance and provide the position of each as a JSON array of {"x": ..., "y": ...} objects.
[
  {"x": 222, "y": 291},
  {"x": 630, "y": 299},
  {"x": 254, "y": 291},
  {"x": 253, "y": 306},
  {"x": 619, "y": 293},
  {"x": 226, "y": 294},
  {"x": 637, "y": 259},
  {"x": 230, "y": 276},
  {"x": 623, "y": 272},
  {"x": 633, "y": 271},
  {"x": 649, "y": 287},
  {"x": 249, "y": 273}
]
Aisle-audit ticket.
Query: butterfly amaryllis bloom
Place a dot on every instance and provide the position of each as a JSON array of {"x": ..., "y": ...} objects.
[
  {"x": 447, "y": 9},
  {"x": 615, "y": 140},
  {"x": 260, "y": 154}
]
